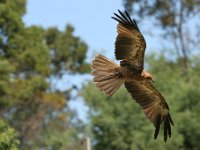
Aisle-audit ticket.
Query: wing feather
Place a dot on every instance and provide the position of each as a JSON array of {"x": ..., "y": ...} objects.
[
  {"x": 130, "y": 44},
  {"x": 153, "y": 104}
]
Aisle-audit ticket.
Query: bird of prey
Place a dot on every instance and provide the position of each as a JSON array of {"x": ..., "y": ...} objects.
[{"x": 108, "y": 76}]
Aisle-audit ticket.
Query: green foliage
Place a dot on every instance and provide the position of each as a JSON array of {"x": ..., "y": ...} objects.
[
  {"x": 56, "y": 136},
  {"x": 8, "y": 137},
  {"x": 11, "y": 13},
  {"x": 68, "y": 51},
  {"x": 31, "y": 59},
  {"x": 119, "y": 122}
]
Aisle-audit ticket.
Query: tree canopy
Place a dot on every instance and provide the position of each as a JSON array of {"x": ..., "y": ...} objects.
[{"x": 30, "y": 59}]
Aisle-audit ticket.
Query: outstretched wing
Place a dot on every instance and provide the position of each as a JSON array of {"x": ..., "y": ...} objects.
[
  {"x": 130, "y": 44},
  {"x": 153, "y": 104}
]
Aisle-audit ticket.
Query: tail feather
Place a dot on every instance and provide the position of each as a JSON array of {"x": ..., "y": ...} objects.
[
  {"x": 106, "y": 75},
  {"x": 102, "y": 63},
  {"x": 109, "y": 87},
  {"x": 113, "y": 87}
]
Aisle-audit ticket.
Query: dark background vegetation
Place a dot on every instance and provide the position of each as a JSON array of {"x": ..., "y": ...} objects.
[{"x": 35, "y": 115}]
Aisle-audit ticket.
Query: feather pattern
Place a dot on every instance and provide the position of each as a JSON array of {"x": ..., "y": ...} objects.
[
  {"x": 152, "y": 102},
  {"x": 106, "y": 75},
  {"x": 130, "y": 44}
]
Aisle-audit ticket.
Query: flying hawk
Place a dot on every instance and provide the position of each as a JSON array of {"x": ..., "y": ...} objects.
[{"x": 108, "y": 77}]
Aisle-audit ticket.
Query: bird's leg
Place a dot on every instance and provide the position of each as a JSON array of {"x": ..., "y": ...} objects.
[{"x": 147, "y": 75}]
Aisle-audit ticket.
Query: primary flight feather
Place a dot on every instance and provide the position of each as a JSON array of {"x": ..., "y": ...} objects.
[{"x": 108, "y": 77}]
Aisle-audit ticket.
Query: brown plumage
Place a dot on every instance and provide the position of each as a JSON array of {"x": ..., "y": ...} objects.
[
  {"x": 108, "y": 76},
  {"x": 130, "y": 44}
]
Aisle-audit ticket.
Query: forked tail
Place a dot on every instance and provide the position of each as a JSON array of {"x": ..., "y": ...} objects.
[{"x": 106, "y": 75}]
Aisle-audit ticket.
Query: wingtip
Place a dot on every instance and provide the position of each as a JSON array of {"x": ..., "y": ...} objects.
[
  {"x": 121, "y": 11},
  {"x": 165, "y": 131},
  {"x": 167, "y": 126},
  {"x": 126, "y": 12},
  {"x": 170, "y": 119},
  {"x": 157, "y": 126},
  {"x": 167, "y": 121},
  {"x": 165, "y": 139}
]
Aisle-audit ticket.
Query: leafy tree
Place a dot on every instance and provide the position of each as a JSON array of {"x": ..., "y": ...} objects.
[
  {"x": 31, "y": 59},
  {"x": 8, "y": 137}
]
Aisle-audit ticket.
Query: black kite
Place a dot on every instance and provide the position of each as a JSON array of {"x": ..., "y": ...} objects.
[{"x": 108, "y": 77}]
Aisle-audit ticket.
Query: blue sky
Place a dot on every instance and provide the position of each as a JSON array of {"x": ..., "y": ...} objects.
[{"x": 91, "y": 19}]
